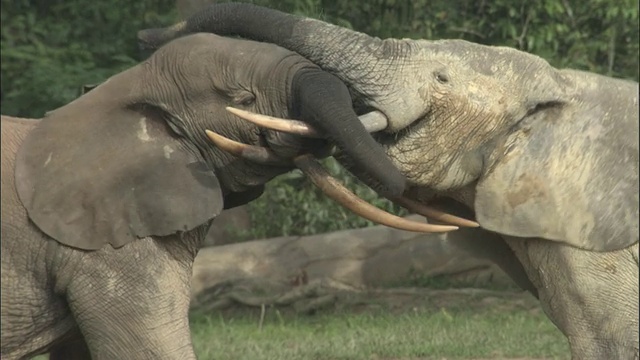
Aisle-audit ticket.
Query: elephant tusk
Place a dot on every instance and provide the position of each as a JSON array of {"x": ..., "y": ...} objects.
[
  {"x": 256, "y": 154},
  {"x": 373, "y": 121},
  {"x": 432, "y": 213},
  {"x": 336, "y": 191},
  {"x": 273, "y": 123},
  {"x": 342, "y": 195}
]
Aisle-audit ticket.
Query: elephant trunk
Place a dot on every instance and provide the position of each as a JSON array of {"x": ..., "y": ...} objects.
[
  {"x": 318, "y": 97},
  {"x": 321, "y": 99},
  {"x": 324, "y": 44}
]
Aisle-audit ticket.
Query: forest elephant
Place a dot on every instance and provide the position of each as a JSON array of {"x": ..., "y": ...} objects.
[
  {"x": 545, "y": 157},
  {"x": 106, "y": 200}
]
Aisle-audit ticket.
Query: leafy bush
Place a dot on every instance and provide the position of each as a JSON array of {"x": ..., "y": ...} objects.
[
  {"x": 292, "y": 205},
  {"x": 594, "y": 35},
  {"x": 51, "y": 48}
]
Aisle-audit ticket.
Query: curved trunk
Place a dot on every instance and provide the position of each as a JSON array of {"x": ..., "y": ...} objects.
[
  {"x": 327, "y": 105},
  {"x": 323, "y": 43},
  {"x": 321, "y": 99},
  {"x": 373, "y": 69}
]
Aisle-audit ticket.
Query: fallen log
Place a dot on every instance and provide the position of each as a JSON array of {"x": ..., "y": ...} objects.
[{"x": 284, "y": 270}]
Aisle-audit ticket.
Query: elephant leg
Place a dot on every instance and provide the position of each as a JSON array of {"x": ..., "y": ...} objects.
[
  {"x": 72, "y": 349},
  {"x": 133, "y": 302},
  {"x": 592, "y": 297}
]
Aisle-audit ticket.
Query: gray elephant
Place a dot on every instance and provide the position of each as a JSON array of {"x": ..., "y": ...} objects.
[
  {"x": 546, "y": 158},
  {"x": 106, "y": 200}
]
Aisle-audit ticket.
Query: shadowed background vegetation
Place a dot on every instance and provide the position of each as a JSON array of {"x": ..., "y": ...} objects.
[{"x": 50, "y": 48}]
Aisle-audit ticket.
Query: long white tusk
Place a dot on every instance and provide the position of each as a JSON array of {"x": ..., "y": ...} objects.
[
  {"x": 432, "y": 213},
  {"x": 372, "y": 122},
  {"x": 285, "y": 125},
  {"x": 256, "y": 154},
  {"x": 336, "y": 191}
]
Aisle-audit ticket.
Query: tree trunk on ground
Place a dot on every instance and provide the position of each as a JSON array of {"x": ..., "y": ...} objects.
[{"x": 287, "y": 269}]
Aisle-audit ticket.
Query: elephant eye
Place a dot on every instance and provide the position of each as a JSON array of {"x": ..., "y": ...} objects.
[
  {"x": 244, "y": 98},
  {"x": 442, "y": 77}
]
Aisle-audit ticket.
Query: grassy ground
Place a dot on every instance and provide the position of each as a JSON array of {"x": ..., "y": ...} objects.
[
  {"x": 426, "y": 324},
  {"x": 459, "y": 327}
]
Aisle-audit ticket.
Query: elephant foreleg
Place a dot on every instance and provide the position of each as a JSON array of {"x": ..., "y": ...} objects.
[
  {"x": 133, "y": 302},
  {"x": 591, "y": 296}
]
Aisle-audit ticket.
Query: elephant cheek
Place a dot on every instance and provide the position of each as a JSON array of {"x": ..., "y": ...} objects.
[{"x": 411, "y": 159}]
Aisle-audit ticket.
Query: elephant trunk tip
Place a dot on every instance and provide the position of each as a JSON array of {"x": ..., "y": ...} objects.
[{"x": 380, "y": 175}]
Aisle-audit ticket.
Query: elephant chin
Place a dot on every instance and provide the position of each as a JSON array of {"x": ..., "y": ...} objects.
[{"x": 331, "y": 186}]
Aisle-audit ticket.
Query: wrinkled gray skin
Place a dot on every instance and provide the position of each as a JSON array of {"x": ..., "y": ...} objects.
[
  {"x": 546, "y": 158},
  {"x": 106, "y": 200}
]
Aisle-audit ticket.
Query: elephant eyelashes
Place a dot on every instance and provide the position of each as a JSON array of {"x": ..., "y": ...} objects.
[{"x": 329, "y": 185}]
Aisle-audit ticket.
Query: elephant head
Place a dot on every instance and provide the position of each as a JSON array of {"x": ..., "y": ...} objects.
[
  {"x": 131, "y": 159},
  {"x": 535, "y": 151}
]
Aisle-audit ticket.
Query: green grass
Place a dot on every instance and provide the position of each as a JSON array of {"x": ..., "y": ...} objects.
[
  {"x": 418, "y": 334},
  {"x": 446, "y": 325}
]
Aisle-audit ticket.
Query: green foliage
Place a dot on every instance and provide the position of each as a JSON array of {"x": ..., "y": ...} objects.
[
  {"x": 594, "y": 35},
  {"x": 291, "y": 205},
  {"x": 50, "y": 48}
]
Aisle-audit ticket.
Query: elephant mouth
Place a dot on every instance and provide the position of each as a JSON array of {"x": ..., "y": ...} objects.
[
  {"x": 328, "y": 184},
  {"x": 389, "y": 138}
]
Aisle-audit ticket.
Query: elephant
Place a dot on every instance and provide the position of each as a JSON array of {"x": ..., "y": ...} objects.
[
  {"x": 546, "y": 158},
  {"x": 106, "y": 200}
]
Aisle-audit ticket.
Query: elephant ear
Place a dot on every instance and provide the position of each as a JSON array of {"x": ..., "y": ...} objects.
[
  {"x": 90, "y": 176},
  {"x": 569, "y": 175}
]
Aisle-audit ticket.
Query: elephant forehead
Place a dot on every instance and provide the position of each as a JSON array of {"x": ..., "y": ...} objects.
[
  {"x": 503, "y": 79},
  {"x": 483, "y": 59},
  {"x": 204, "y": 52}
]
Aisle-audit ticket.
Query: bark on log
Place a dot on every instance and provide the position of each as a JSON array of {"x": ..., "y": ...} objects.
[{"x": 350, "y": 259}]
